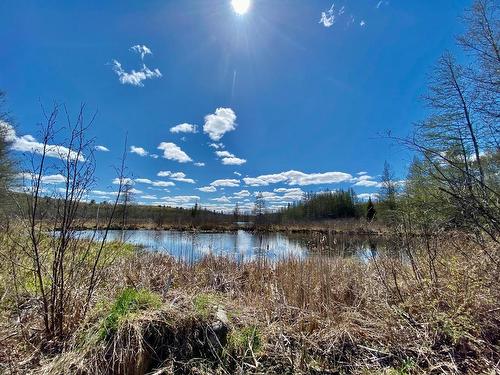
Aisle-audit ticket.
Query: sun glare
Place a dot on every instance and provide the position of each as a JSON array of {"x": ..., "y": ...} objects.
[{"x": 240, "y": 6}]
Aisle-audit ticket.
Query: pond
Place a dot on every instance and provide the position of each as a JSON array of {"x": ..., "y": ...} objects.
[{"x": 244, "y": 245}]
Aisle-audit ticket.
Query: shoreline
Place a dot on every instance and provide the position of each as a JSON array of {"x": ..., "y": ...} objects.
[{"x": 342, "y": 228}]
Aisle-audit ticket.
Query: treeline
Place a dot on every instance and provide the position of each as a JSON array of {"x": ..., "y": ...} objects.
[
  {"x": 93, "y": 214},
  {"x": 338, "y": 204}
]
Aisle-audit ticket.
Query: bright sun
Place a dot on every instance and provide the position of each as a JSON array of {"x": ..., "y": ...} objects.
[{"x": 240, "y": 6}]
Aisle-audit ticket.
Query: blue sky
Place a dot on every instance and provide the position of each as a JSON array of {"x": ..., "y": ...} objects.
[{"x": 293, "y": 93}]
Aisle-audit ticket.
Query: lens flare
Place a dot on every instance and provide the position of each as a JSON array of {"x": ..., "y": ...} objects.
[{"x": 240, "y": 6}]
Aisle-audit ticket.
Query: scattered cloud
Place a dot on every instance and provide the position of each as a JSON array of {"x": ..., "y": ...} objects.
[
  {"x": 176, "y": 176},
  {"x": 222, "y": 199},
  {"x": 382, "y": 3},
  {"x": 102, "y": 148},
  {"x": 328, "y": 17},
  {"x": 208, "y": 189},
  {"x": 48, "y": 179},
  {"x": 138, "y": 150},
  {"x": 181, "y": 177},
  {"x": 102, "y": 193},
  {"x": 226, "y": 182},
  {"x": 242, "y": 194},
  {"x": 135, "y": 78},
  {"x": 361, "y": 173},
  {"x": 332, "y": 16},
  {"x": 219, "y": 123},
  {"x": 28, "y": 143},
  {"x": 141, "y": 50},
  {"x": 217, "y": 145},
  {"x": 179, "y": 200},
  {"x": 173, "y": 152},
  {"x": 199, "y": 164},
  {"x": 123, "y": 181},
  {"x": 143, "y": 181},
  {"x": 229, "y": 159},
  {"x": 366, "y": 196},
  {"x": 184, "y": 128},
  {"x": 149, "y": 197},
  {"x": 298, "y": 178},
  {"x": 163, "y": 183},
  {"x": 237, "y": 174},
  {"x": 365, "y": 181}
]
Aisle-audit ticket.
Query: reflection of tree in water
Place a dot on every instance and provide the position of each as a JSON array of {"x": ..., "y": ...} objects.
[{"x": 336, "y": 244}]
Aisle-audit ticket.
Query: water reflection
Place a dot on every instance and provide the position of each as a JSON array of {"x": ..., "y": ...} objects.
[{"x": 243, "y": 245}]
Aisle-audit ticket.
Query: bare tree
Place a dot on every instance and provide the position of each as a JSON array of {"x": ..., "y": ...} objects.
[
  {"x": 458, "y": 143},
  {"x": 65, "y": 268}
]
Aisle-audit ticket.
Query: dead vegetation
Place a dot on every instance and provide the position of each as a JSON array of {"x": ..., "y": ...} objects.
[{"x": 155, "y": 314}]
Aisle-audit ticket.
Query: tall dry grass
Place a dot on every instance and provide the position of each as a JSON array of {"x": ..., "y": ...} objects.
[{"x": 394, "y": 313}]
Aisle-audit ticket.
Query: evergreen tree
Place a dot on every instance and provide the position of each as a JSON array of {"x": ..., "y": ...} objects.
[{"x": 370, "y": 210}]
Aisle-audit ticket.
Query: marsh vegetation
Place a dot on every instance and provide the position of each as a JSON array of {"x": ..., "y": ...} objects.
[{"x": 419, "y": 294}]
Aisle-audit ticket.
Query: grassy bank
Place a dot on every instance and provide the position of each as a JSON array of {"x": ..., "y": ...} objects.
[{"x": 154, "y": 314}]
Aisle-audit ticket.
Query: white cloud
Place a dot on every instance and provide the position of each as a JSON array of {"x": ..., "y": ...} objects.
[
  {"x": 143, "y": 181},
  {"x": 163, "y": 183},
  {"x": 361, "y": 173},
  {"x": 237, "y": 174},
  {"x": 224, "y": 154},
  {"x": 222, "y": 199},
  {"x": 179, "y": 200},
  {"x": 365, "y": 196},
  {"x": 233, "y": 161},
  {"x": 102, "y": 148},
  {"x": 138, "y": 150},
  {"x": 208, "y": 189},
  {"x": 181, "y": 177},
  {"x": 173, "y": 152},
  {"x": 177, "y": 176},
  {"x": 141, "y": 50},
  {"x": 184, "y": 128},
  {"x": 153, "y": 183},
  {"x": 226, "y": 182},
  {"x": 154, "y": 156},
  {"x": 217, "y": 145},
  {"x": 149, "y": 197},
  {"x": 124, "y": 181},
  {"x": 242, "y": 194},
  {"x": 219, "y": 123},
  {"x": 229, "y": 159},
  {"x": 164, "y": 174},
  {"x": 362, "y": 23},
  {"x": 102, "y": 193},
  {"x": 28, "y": 143},
  {"x": 328, "y": 18},
  {"x": 298, "y": 178},
  {"x": 199, "y": 164},
  {"x": 135, "y": 78},
  {"x": 48, "y": 179},
  {"x": 365, "y": 181},
  {"x": 135, "y": 191}
]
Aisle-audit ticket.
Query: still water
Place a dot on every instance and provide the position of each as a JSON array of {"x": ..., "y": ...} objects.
[{"x": 243, "y": 245}]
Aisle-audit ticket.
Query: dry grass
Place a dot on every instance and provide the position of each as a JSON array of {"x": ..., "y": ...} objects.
[{"x": 318, "y": 315}]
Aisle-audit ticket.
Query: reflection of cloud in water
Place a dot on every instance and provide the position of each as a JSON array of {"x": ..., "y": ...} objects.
[{"x": 243, "y": 245}]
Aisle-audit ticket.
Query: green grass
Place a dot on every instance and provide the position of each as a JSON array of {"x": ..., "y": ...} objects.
[
  {"x": 128, "y": 302},
  {"x": 242, "y": 339},
  {"x": 205, "y": 304}
]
